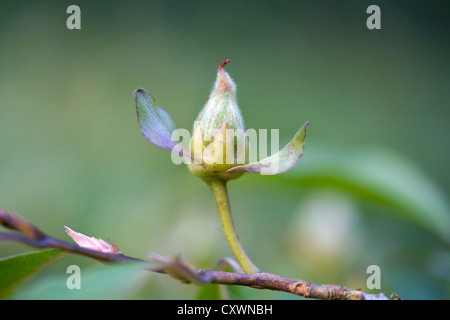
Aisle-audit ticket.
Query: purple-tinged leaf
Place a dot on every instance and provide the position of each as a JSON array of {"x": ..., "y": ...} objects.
[
  {"x": 281, "y": 161},
  {"x": 156, "y": 124}
]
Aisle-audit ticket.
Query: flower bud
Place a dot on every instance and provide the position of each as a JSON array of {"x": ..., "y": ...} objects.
[
  {"x": 221, "y": 107},
  {"x": 216, "y": 142},
  {"x": 219, "y": 148}
]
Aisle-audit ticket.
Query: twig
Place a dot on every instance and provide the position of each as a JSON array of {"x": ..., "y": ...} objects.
[{"x": 29, "y": 234}]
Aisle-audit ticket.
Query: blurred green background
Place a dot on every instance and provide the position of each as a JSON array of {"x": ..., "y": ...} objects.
[{"x": 371, "y": 188}]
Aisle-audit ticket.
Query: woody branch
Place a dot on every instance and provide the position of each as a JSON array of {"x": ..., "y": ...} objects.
[{"x": 29, "y": 234}]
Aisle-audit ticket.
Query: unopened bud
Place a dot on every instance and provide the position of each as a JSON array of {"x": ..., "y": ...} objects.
[
  {"x": 221, "y": 106},
  {"x": 215, "y": 139}
]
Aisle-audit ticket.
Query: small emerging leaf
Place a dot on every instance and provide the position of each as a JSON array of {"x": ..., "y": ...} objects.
[{"x": 91, "y": 242}]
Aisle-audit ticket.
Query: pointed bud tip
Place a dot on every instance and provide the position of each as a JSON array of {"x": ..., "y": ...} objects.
[
  {"x": 224, "y": 82},
  {"x": 226, "y": 61}
]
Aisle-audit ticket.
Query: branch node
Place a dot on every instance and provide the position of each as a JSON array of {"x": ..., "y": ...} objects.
[{"x": 300, "y": 288}]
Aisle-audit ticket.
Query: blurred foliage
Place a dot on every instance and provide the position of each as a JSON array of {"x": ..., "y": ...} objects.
[
  {"x": 16, "y": 269},
  {"x": 71, "y": 152}
]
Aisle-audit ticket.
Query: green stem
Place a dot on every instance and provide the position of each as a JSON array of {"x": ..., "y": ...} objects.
[{"x": 220, "y": 193}]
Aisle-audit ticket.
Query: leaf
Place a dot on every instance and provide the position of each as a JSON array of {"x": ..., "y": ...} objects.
[
  {"x": 240, "y": 293},
  {"x": 91, "y": 242},
  {"x": 111, "y": 281},
  {"x": 209, "y": 292},
  {"x": 16, "y": 269},
  {"x": 281, "y": 161},
  {"x": 156, "y": 124},
  {"x": 382, "y": 177},
  {"x": 224, "y": 292}
]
